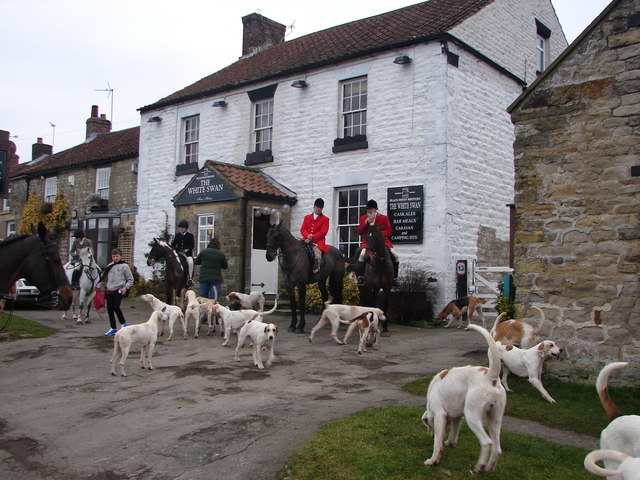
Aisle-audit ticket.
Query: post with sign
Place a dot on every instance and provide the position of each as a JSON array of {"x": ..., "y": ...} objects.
[
  {"x": 3, "y": 173},
  {"x": 461, "y": 277}
]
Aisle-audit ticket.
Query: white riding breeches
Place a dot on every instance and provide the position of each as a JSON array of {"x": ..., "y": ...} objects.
[
  {"x": 393, "y": 252},
  {"x": 190, "y": 263}
]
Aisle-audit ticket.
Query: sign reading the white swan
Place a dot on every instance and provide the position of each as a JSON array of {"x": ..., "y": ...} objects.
[
  {"x": 405, "y": 211},
  {"x": 205, "y": 187}
]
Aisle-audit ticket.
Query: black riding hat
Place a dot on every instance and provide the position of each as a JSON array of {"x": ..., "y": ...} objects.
[
  {"x": 183, "y": 224},
  {"x": 319, "y": 203},
  {"x": 372, "y": 204}
]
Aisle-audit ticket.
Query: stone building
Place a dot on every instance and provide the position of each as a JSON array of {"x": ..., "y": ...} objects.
[
  {"x": 8, "y": 162},
  {"x": 99, "y": 181},
  {"x": 407, "y": 108},
  {"x": 577, "y": 195}
]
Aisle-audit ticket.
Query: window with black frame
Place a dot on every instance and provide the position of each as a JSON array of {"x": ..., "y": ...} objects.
[{"x": 352, "y": 204}]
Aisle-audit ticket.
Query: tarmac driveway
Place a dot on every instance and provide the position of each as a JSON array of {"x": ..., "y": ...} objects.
[{"x": 199, "y": 414}]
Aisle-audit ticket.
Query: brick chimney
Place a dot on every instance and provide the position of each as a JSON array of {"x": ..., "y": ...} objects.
[
  {"x": 259, "y": 33},
  {"x": 8, "y": 146},
  {"x": 96, "y": 125},
  {"x": 40, "y": 148}
]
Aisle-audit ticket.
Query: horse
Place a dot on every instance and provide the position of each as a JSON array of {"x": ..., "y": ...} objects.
[
  {"x": 297, "y": 266},
  {"x": 378, "y": 273},
  {"x": 175, "y": 274},
  {"x": 87, "y": 281},
  {"x": 36, "y": 258}
]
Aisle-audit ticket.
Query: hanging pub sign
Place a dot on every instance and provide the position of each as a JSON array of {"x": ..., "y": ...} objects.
[
  {"x": 4, "y": 184},
  {"x": 405, "y": 211},
  {"x": 205, "y": 187}
]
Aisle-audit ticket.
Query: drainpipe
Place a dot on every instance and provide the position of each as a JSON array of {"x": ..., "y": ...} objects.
[
  {"x": 243, "y": 275},
  {"x": 512, "y": 230}
]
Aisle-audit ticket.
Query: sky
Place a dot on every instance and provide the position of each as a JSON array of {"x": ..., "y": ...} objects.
[{"x": 60, "y": 57}]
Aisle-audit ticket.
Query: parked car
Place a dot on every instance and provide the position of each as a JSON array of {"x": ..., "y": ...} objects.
[{"x": 26, "y": 292}]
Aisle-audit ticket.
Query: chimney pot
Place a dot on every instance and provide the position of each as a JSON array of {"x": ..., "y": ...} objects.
[
  {"x": 94, "y": 111},
  {"x": 103, "y": 116},
  {"x": 260, "y": 32},
  {"x": 39, "y": 139}
]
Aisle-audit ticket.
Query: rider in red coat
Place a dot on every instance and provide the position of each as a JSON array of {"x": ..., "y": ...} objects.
[
  {"x": 381, "y": 221},
  {"x": 315, "y": 227}
]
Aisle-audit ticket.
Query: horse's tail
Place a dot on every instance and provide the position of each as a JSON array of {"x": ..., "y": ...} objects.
[{"x": 273, "y": 309}]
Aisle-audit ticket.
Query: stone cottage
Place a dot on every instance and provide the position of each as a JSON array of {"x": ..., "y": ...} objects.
[
  {"x": 99, "y": 181},
  {"x": 407, "y": 108},
  {"x": 577, "y": 195}
]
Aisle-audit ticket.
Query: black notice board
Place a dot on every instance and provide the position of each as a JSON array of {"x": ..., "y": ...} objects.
[
  {"x": 405, "y": 210},
  {"x": 205, "y": 187}
]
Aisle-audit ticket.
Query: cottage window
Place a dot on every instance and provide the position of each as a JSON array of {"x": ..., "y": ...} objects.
[
  {"x": 11, "y": 229},
  {"x": 205, "y": 231},
  {"x": 352, "y": 204},
  {"x": 263, "y": 125},
  {"x": 543, "y": 33},
  {"x": 103, "y": 176},
  {"x": 353, "y": 115},
  {"x": 50, "y": 189},
  {"x": 190, "y": 139},
  {"x": 6, "y": 203}
]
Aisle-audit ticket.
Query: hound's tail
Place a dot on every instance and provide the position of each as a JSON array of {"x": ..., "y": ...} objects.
[
  {"x": 495, "y": 324},
  {"x": 117, "y": 350},
  {"x": 494, "y": 355},
  {"x": 362, "y": 316},
  {"x": 328, "y": 302},
  {"x": 273, "y": 309},
  {"x": 601, "y": 455},
  {"x": 603, "y": 391},
  {"x": 542, "y": 317}
]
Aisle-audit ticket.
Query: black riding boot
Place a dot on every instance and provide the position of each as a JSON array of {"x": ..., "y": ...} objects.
[
  {"x": 396, "y": 267},
  {"x": 74, "y": 279}
]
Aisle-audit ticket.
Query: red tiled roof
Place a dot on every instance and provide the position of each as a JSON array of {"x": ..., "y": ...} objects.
[
  {"x": 107, "y": 147},
  {"x": 405, "y": 26},
  {"x": 251, "y": 180}
]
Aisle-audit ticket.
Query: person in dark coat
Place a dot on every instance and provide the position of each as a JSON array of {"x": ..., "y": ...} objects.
[
  {"x": 184, "y": 243},
  {"x": 212, "y": 261},
  {"x": 79, "y": 242}
]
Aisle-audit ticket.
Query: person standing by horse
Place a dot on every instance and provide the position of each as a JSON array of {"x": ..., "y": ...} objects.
[
  {"x": 184, "y": 243},
  {"x": 212, "y": 261},
  {"x": 117, "y": 279},
  {"x": 79, "y": 242},
  {"x": 373, "y": 217},
  {"x": 315, "y": 227}
]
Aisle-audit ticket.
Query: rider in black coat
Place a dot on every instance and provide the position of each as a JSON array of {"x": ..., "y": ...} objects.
[{"x": 184, "y": 242}]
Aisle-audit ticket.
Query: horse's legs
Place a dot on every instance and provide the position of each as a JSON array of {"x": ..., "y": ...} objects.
[
  {"x": 302, "y": 293},
  {"x": 322, "y": 285},
  {"x": 292, "y": 302}
]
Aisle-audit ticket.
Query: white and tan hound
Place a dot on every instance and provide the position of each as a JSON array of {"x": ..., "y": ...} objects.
[{"x": 458, "y": 307}]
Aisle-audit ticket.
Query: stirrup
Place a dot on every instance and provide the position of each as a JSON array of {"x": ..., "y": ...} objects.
[{"x": 360, "y": 281}]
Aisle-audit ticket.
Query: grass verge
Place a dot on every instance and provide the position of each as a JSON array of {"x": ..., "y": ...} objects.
[
  {"x": 20, "y": 327},
  {"x": 577, "y": 407},
  {"x": 392, "y": 443}
]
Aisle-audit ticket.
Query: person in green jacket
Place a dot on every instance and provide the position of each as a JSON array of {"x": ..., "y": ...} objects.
[{"x": 211, "y": 261}]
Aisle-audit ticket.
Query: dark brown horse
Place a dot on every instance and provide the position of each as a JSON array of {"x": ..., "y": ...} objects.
[
  {"x": 36, "y": 258},
  {"x": 175, "y": 273},
  {"x": 378, "y": 273},
  {"x": 297, "y": 265}
]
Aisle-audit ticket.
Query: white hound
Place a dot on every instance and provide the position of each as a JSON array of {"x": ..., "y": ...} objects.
[
  {"x": 169, "y": 312},
  {"x": 369, "y": 329},
  {"x": 528, "y": 363},
  {"x": 235, "y": 319},
  {"x": 144, "y": 334},
  {"x": 334, "y": 313},
  {"x": 623, "y": 432},
  {"x": 474, "y": 393},
  {"x": 192, "y": 310},
  {"x": 628, "y": 467},
  {"x": 516, "y": 332},
  {"x": 206, "y": 308},
  {"x": 263, "y": 337},
  {"x": 253, "y": 300}
]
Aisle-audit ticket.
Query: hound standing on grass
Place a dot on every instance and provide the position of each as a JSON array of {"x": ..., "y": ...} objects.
[
  {"x": 623, "y": 432},
  {"x": 474, "y": 393},
  {"x": 144, "y": 334}
]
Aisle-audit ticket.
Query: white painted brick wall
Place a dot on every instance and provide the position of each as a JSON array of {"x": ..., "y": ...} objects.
[{"x": 428, "y": 124}]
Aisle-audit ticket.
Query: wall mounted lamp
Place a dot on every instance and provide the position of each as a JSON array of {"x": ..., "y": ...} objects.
[
  {"x": 300, "y": 84},
  {"x": 74, "y": 214},
  {"x": 402, "y": 60},
  {"x": 219, "y": 103},
  {"x": 154, "y": 120}
]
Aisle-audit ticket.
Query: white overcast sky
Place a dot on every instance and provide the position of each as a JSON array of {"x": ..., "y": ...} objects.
[{"x": 56, "y": 54}]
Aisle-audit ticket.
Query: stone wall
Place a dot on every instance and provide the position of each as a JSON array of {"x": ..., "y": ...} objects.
[{"x": 578, "y": 204}]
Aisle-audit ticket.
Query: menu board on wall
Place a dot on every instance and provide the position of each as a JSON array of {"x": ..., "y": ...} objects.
[{"x": 405, "y": 211}]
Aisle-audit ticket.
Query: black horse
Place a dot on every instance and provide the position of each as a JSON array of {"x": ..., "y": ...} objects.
[
  {"x": 297, "y": 265},
  {"x": 36, "y": 258},
  {"x": 175, "y": 273},
  {"x": 378, "y": 273}
]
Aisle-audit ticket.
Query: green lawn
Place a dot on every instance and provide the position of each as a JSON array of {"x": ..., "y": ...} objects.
[{"x": 18, "y": 327}]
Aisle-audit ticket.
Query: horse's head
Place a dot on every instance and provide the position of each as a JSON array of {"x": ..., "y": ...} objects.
[
  {"x": 86, "y": 257},
  {"x": 375, "y": 241},
  {"x": 274, "y": 242},
  {"x": 157, "y": 252},
  {"x": 50, "y": 277}
]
